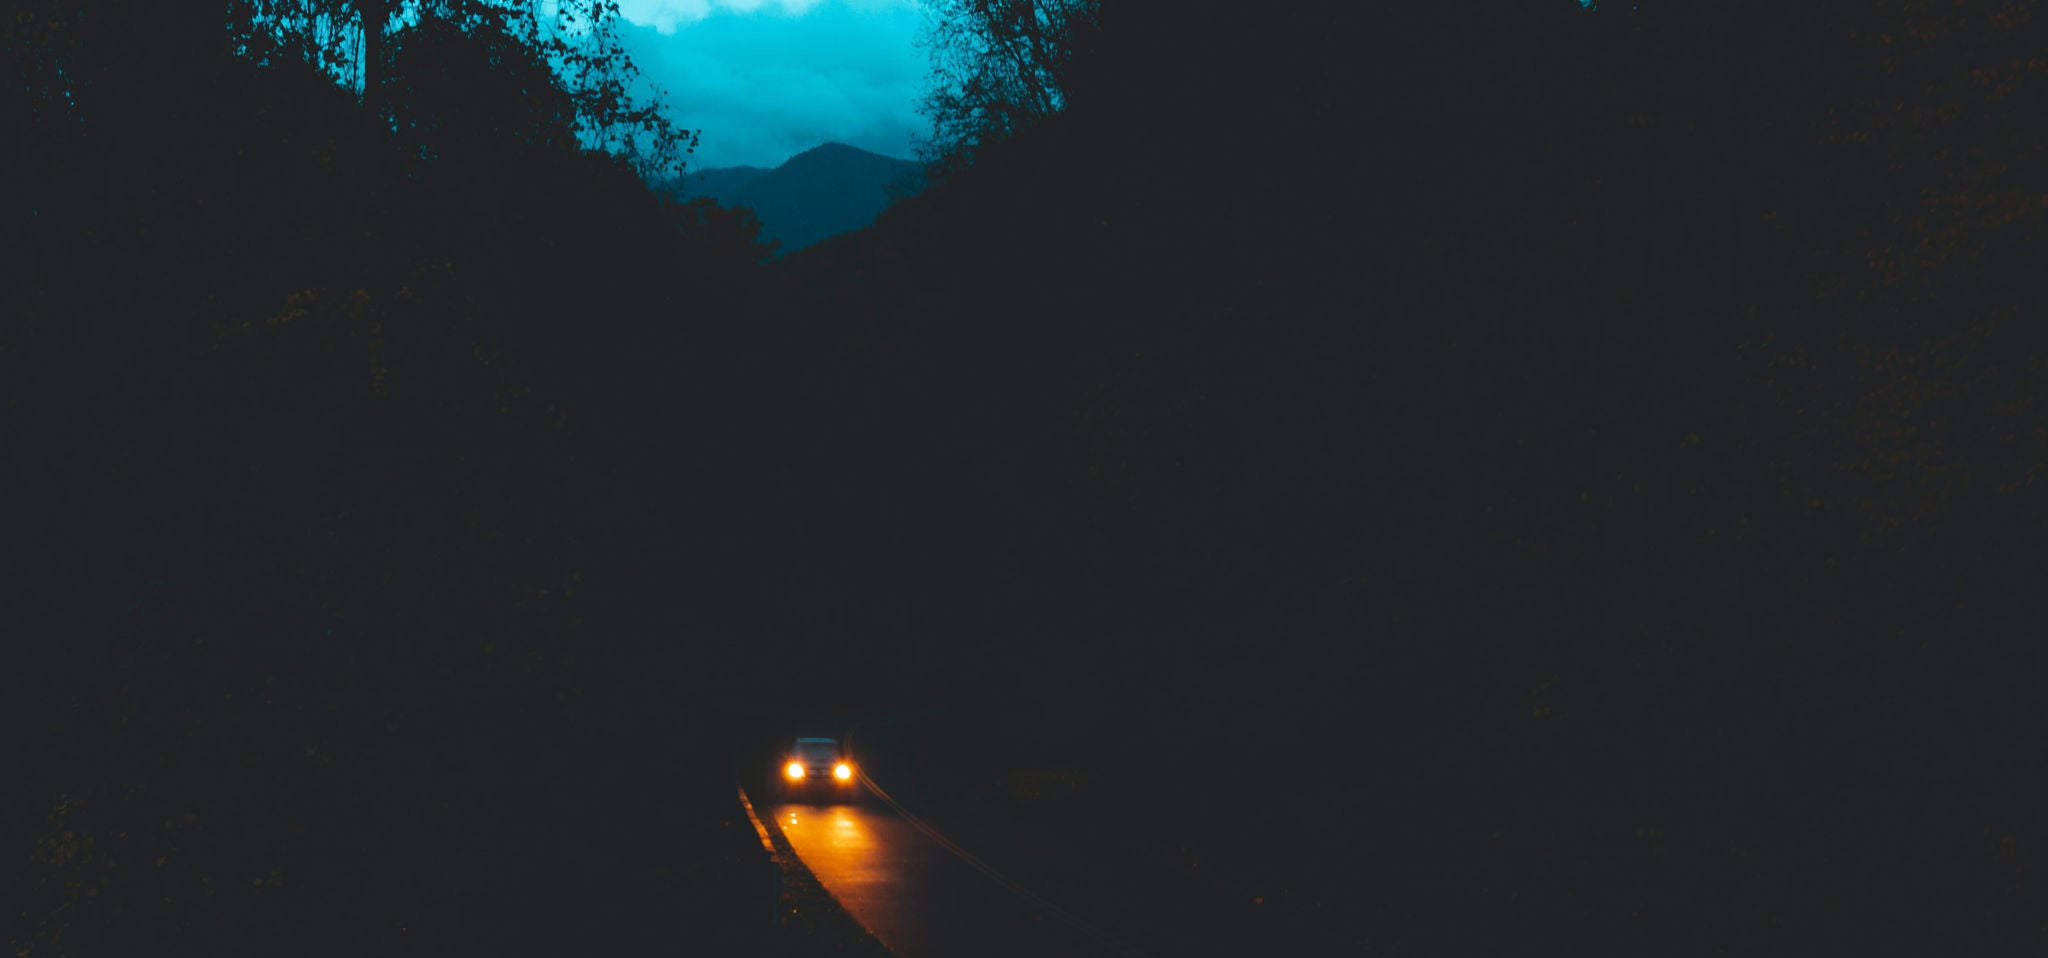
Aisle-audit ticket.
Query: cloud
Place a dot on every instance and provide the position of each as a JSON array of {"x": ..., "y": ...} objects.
[
  {"x": 767, "y": 79},
  {"x": 666, "y": 15}
]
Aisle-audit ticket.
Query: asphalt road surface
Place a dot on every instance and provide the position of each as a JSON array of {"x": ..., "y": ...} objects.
[
  {"x": 934, "y": 868},
  {"x": 927, "y": 890},
  {"x": 922, "y": 899}
]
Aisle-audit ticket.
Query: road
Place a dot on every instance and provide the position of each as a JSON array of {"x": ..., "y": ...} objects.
[
  {"x": 974, "y": 885},
  {"x": 920, "y": 898},
  {"x": 934, "y": 867}
]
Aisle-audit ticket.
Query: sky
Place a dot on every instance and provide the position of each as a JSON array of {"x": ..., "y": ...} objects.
[{"x": 764, "y": 80}]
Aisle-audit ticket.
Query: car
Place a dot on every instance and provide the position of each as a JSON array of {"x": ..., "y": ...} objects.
[{"x": 819, "y": 768}]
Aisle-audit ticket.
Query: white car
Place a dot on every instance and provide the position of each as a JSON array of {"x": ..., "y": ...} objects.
[{"x": 818, "y": 767}]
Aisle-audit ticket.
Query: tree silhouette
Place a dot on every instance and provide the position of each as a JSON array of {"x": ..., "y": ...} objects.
[
  {"x": 1000, "y": 66},
  {"x": 578, "y": 40},
  {"x": 1619, "y": 430},
  {"x": 478, "y": 88}
]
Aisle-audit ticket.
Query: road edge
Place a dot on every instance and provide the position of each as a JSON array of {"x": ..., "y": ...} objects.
[
  {"x": 776, "y": 868},
  {"x": 808, "y": 920}
]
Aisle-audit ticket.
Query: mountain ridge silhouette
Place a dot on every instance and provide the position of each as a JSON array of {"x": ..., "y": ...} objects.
[{"x": 824, "y": 191}]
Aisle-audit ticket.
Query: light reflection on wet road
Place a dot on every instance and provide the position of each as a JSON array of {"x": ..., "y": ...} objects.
[{"x": 918, "y": 898}]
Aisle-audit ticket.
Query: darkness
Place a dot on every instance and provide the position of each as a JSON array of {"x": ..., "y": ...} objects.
[{"x": 1577, "y": 473}]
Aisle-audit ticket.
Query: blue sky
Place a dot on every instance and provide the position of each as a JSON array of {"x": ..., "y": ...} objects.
[{"x": 767, "y": 79}]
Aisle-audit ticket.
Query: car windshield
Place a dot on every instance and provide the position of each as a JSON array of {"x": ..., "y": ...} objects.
[{"x": 817, "y": 751}]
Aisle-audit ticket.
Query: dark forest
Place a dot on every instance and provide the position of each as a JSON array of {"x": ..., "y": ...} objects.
[{"x": 1568, "y": 478}]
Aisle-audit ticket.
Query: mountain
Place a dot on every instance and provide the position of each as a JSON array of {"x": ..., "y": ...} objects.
[
  {"x": 821, "y": 192},
  {"x": 720, "y": 183}
]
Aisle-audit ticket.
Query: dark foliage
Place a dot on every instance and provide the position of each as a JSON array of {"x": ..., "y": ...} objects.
[
  {"x": 310, "y": 421},
  {"x": 1596, "y": 476},
  {"x": 1607, "y": 447}
]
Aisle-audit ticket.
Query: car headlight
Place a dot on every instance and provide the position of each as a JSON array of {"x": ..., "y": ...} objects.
[
  {"x": 794, "y": 770},
  {"x": 842, "y": 771}
]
